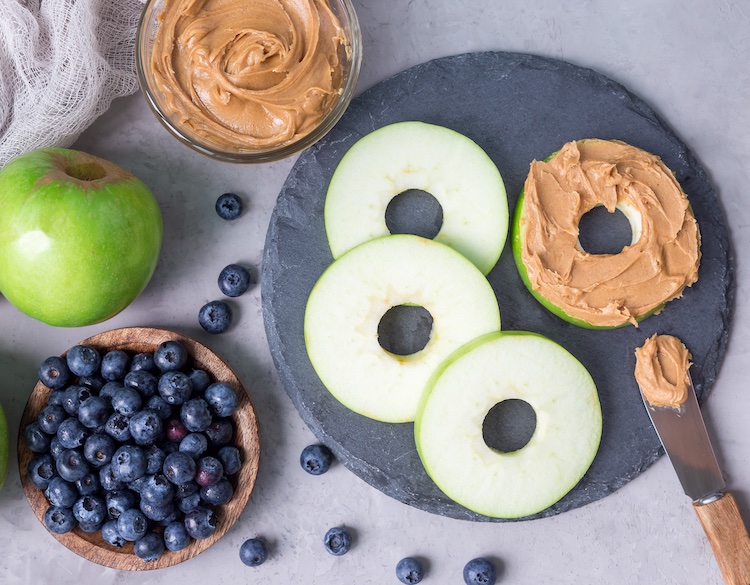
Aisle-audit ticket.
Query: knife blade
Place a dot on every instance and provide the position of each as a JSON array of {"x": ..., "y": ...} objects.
[{"x": 683, "y": 434}]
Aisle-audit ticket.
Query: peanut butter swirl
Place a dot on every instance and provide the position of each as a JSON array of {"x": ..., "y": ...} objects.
[
  {"x": 248, "y": 74},
  {"x": 661, "y": 370},
  {"x": 607, "y": 289}
]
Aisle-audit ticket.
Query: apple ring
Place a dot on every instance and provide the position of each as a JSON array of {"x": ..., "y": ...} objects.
[
  {"x": 604, "y": 290},
  {"x": 415, "y": 155}
]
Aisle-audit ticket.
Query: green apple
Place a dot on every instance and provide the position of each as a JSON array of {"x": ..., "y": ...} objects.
[
  {"x": 79, "y": 236},
  {"x": 4, "y": 446},
  {"x": 415, "y": 155},
  {"x": 350, "y": 298},
  {"x": 485, "y": 372}
]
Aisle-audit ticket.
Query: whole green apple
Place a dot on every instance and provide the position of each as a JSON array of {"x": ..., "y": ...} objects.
[{"x": 79, "y": 236}]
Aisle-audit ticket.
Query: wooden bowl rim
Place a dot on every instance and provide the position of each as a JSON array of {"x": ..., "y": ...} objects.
[{"x": 91, "y": 546}]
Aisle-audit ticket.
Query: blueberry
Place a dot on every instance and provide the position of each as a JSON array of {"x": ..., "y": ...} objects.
[
  {"x": 175, "y": 387},
  {"x": 137, "y": 485},
  {"x": 61, "y": 493},
  {"x": 179, "y": 468},
  {"x": 90, "y": 510},
  {"x": 221, "y": 398},
  {"x": 118, "y": 501},
  {"x": 59, "y": 520},
  {"x": 128, "y": 463},
  {"x": 143, "y": 361},
  {"x": 74, "y": 395},
  {"x": 50, "y": 418},
  {"x": 316, "y": 459},
  {"x": 195, "y": 415},
  {"x": 99, "y": 449},
  {"x": 56, "y": 397},
  {"x": 409, "y": 571},
  {"x": 186, "y": 489},
  {"x": 229, "y": 206},
  {"x": 114, "y": 365},
  {"x": 155, "y": 457},
  {"x": 215, "y": 317},
  {"x": 173, "y": 517},
  {"x": 175, "y": 430},
  {"x": 109, "y": 390},
  {"x": 94, "y": 412},
  {"x": 110, "y": 534},
  {"x": 176, "y": 536},
  {"x": 90, "y": 527},
  {"x": 72, "y": 433},
  {"x": 194, "y": 444},
  {"x": 170, "y": 356},
  {"x": 94, "y": 383},
  {"x": 479, "y": 572},
  {"x": 169, "y": 447},
  {"x": 337, "y": 541},
  {"x": 36, "y": 439},
  {"x": 143, "y": 381},
  {"x": 55, "y": 447},
  {"x": 83, "y": 360},
  {"x": 146, "y": 427},
  {"x": 118, "y": 427},
  {"x": 127, "y": 401},
  {"x": 218, "y": 494},
  {"x": 157, "y": 513},
  {"x": 200, "y": 522},
  {"x": 157, "y": 490},
  {"x": 88, "y": 485},
  {"x": 220, "y": 432},
  {"x": 200, "y": 379},
  {"x": 54, "y": 373},
  {"x": 132, "y": 524},
  {"x": 189, "y": 502},
  {"x": 234, "y": 280},
  {"x": 160, "y": 406},
  {"x": 209, "y": 471},
  {"x": 253, "y": 552},
  {"x": 108, "y": 481},
  {"x": 71, "y": 465},
  {"x": 150, "y": 547},
  {"x": 230, "y": 459}
]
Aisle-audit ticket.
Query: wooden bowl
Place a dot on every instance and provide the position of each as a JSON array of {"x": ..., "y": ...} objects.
[{"x": 91, "y": 546}]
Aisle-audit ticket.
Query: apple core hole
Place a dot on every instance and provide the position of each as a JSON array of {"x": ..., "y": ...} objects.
[
  {"x": 405, "y": 329},
  {"x": 603, "y": 232},
  {"x": 86, "y": 171},
  {"x": 509, "y": 425},
  {"x": 414, "y": 212}
]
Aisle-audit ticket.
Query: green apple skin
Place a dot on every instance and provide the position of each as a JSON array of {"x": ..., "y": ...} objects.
[
  {"x": 4, "y": 446},
  {"x": 517, "y": 245},
  {"x": 74, "y": 251}
]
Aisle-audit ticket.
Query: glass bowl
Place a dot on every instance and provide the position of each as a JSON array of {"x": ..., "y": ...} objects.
[{"x": 350, "y": 56}]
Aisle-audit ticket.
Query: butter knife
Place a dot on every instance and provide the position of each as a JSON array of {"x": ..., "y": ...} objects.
[{"x": 683, "y": 434}]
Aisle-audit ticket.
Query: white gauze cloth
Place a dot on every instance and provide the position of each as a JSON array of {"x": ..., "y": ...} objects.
[{"x": 62, "y": 62}]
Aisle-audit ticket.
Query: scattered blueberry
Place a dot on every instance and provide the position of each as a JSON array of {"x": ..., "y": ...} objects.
[
  {"x": 337, "y": 541},
  {"x": 215, "y": 317},
  {"x": 61, "y": 493},
  {"x": 316, "y": 459},
  {"x": 72, "y": 465},
  {"x": 90, "y": 510},
  {"x": 83, "y": 360},
  {"x": 230, "y": 459},
  {"x": 200, "y": 522},
  {"x": 114, "y": 365},
  {"x": 209, "y": 471},
  {"x": 175, "y": 387},
  {"x": 409, "y": 571},
  {"x": 118, "y": 427},
  {"x": 221, "y": 398},
  {"x": 118, "y": 501},
  {"x": 195, "y": 415},
  {"x": 229, "y": 206},
  {"x": 143, "y": 361},
  {"x": 200, "y": 380},
  {"x": 132, "y": 524},
  {"x": 36, "y": 439},
  {"x": 143, "y": 381},
  {"x": 88, "y": 485},
  {"x": 217, "y": 494},
  {"x": 160, "y": 406},
  {"x": 194, "y": 444},
  {"x": 59, "y": 520},
  {"x": 479, "y": 572},
  {"x": 179, "y": 468},
  {"x": 150, "y": 547},
  {"x": 94, "y": 412},
  {"x": 127, "y": 401},
  {"x": 253, "y": 552},
  {"x": 145, "y": 427},
  {"x": 54, "y": 373},
  {"x": 176, "y": 536},
  {"x": 234, "y": 280},
  {"x": 111, "y": 535},
  {"x": 128, "y": 463}
]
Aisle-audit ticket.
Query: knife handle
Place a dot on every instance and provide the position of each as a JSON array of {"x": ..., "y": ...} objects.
[{"x": 728, "y": 536}]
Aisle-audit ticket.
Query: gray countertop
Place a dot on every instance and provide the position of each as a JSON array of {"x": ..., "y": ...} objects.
[{"x": 688, "y": 62}]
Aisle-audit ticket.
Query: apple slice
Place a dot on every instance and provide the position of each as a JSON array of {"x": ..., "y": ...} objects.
[
  {"x": 488, "y": 371},
  {"x": 414, "y": 155},
  {"x": 347, "y": 303}
]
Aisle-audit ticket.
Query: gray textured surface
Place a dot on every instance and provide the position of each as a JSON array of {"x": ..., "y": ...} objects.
[{"x": 545, "y": 103}]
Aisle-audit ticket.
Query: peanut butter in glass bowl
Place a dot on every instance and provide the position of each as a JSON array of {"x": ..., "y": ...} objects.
[{"x": 248, "y": 80}]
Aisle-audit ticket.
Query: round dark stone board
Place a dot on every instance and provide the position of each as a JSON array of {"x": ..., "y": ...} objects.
[{"x": 518, "y": 108}]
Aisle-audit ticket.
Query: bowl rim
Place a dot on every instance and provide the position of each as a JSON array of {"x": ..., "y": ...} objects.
[
  {"x": 276, "y": 153},
  {"x": 91, "y": 546}
]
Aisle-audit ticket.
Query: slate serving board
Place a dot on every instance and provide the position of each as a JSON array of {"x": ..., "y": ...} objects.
[{"x": 517, "y": 107}]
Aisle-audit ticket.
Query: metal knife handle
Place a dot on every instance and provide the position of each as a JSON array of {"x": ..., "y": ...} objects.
[{"x": 728, "y": 536}]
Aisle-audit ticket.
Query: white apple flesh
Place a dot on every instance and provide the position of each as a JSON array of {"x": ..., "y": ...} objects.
[
  {"x": 350, "y": 298},
  {"x": 487, "y": 371}
]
